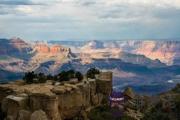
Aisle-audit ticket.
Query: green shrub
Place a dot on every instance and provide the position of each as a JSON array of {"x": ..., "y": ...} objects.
[
  {"x": 29, "y": 77},
  {"x": 79, "y": 76},
  {"x": 92, "y": 72},
  {"x": 41, "y": 78},
  {"x": 103, "y": 112}
]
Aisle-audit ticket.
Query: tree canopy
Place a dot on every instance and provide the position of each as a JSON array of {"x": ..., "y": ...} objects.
[
  {"x": 32, "y": 77},
  {"x": 92, "y": 72}
]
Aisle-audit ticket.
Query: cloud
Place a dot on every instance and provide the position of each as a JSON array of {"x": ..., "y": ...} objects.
[
  {"x": 18, "y": 7},
  {"x": 90, "y": 18},
  {"x": 17, "y": 2}
]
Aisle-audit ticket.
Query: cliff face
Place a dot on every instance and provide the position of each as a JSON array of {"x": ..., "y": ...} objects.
[
  {"x": 18, "y": 56},
  {"x": 54, "y": 49},
  {"x": 166, "y": 51},
  {"x": 54, "y": 102},
  {"x": 14, "y": 47}
]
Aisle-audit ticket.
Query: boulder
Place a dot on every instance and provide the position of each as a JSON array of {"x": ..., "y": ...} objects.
[
  {"x": 72, "y": 103},
  {"x": 59, "y": 90},
  {"x": 24, "y": 115},
  {"x": 47, "y": 103},
  {"x": 12, "y": 104},
  {"x": 39, "y": 115},
  {"x": 10, "y": 118},
  {"x": 5, "y": 91}
]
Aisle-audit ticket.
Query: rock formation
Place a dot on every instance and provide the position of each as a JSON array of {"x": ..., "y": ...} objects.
[
  {"x": 54, "y": 49},
  {"x": 165, "y": 51},
  {"x": 54, "y": 102}
]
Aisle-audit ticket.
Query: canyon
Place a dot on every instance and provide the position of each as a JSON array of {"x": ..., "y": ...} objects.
[{"x": 132, "y": 62}]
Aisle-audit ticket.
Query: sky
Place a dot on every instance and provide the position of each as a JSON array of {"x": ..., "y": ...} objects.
[{"x": 90, "y": 19}]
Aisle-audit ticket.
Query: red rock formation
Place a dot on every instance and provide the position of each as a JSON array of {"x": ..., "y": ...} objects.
[
  {"x": 18, "y": 43},
  {"x": 55, "y": 49},
  {"x": 42, "y": 48}
]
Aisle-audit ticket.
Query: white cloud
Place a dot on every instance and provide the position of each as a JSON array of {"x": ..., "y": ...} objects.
[{"x": 24, "y": 9}]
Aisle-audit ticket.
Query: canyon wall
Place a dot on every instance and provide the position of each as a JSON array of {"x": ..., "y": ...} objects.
[{"x": 67, "y": 100}]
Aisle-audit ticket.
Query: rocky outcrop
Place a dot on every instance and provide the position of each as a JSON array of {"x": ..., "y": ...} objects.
[
  {"x": 165, "y": 51},
  {"x": 24, "y": 115},
  {"x": 11, "y": 105},
  {"x": 48, "y": 103},
  {"x": 14, "y": 46},
  {"x": 18, "y": 56},
  {"x": 54, "y": 49},
  {"x": 54, "y": 102},
  {"x": 39, "y": 115}
]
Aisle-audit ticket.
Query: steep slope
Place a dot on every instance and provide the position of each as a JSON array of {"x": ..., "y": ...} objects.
[
  {"x": 166, "y": 51},
  {"x": 14, "y": 54},
  {"x": 15, "y": 47},
  {"x": 18, "y": 56},
  {"x": 98, "y": 50}
]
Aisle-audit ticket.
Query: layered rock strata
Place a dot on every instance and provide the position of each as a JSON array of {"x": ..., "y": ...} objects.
[{"x": 54, "y": 102}]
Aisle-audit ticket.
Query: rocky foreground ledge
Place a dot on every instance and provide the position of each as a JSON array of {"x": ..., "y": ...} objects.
[{"x": 53, "y": 101}]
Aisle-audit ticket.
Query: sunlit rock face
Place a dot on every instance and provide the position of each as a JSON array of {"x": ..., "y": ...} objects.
[
  {"x": 167, "y": 52},
  {"x": 123, "y": 51},
  {"x": 16, "y": 55},
  {"x": 42, "y": 48},
  {"x": 164, "y": 51},
  {"x": 54, "y": 49}
]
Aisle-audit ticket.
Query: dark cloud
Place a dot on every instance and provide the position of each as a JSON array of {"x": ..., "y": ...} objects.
[
  {"x": 167, "y": 13},
  {"x": 4, "y": 10},
  {"x": 9, "y": 6},
  {"x": 88, "y": 3},
  {"x": 18, "y": 2}
]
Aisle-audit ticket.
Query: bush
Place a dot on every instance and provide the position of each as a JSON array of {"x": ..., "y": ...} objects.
[
  {"x": 28, "y": 77},
  {"x": 31, "y": 77},
  {"x": 41, "y": 78},
  {"x": 103, "y": 112},
  {"x": 92, "y": 72},
  {"x": 156, "y": 113},
  {"x": 79, "y": 76},
  {"x": 63, "y": 76},
  {"x": 67, "y": 75},
  {"x": 177, "y": 88},
  {"x": 125, "y": 117}
]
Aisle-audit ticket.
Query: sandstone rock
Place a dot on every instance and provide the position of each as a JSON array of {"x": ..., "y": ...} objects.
[
  {"x": 57, "y": 102},
  {"x": 42, "y": 48},
  {"x": 93, "y": 98},
  {"x": 71, "y": 103},
  {"x": 39, "y": 115},
  {"x": 58, "y": 49},
  {"x": 24, "y": 115},
  {"x": 48, "y": 103},
  {"x": 73, "y": 81},
  {"x": 10, "y": 118},
  {"x": 5, "y": 91},
  {"x": 12, "y": 104},
  {"x": 59, "y": 90}
]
